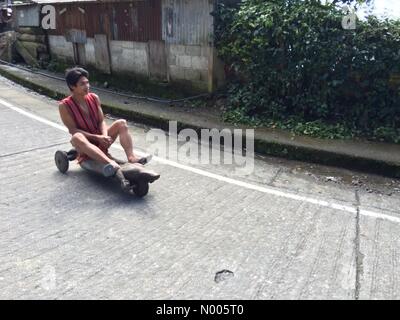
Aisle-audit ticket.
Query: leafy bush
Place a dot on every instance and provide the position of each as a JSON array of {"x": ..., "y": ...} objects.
[{"x": 291, "y": 59}]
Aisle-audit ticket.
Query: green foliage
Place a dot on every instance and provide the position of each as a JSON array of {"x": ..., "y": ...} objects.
[{"x": 291, "y": 59}]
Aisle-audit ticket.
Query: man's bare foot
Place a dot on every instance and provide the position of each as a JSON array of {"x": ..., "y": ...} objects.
[
  {"x": 140, "y": 160},
  {"x": 133, "y": 159}
]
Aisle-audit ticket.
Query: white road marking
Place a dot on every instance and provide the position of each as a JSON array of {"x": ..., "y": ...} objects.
[
  {"x": 32, "y": 116},
  {"x": 271, "y": 191}
]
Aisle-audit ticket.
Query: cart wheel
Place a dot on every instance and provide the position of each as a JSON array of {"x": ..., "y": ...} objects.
[
  {"x": 141, "y": 189},
  {"x": 61, "y": 159},
  {"x": 72, "y": 154}
]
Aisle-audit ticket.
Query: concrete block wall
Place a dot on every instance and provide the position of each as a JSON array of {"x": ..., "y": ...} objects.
[
  {"x": 128, "y": 56},
  {"x": 89, "y": 50},
  {"x": 60, "y": 48},
  {"x": 188, "y": 63}
]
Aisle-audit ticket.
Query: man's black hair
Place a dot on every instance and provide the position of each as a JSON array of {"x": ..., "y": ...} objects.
[{"x": 73, "y": 75}]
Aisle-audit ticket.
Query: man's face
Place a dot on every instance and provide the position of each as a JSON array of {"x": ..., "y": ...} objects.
[{"x": 82, "y": 87}]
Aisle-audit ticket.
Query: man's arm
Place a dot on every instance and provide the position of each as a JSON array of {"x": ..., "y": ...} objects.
[
  {"x": 70, "y": 123},
  {"x": 102, "y": 123},
  {"x": 105, "y": 139}
]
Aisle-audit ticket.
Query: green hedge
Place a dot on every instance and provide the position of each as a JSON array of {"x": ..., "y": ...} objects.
[{"x": 291, "y": 63}]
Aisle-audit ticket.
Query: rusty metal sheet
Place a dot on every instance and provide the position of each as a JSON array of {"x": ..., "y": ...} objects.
[
  {"x": 157, "y": 60},
  {"x": 102, "y": 53},
  {"x": 187, "y": 22},
  {"x": 127, "y": 21},
  {"x": 27, "y": 16},
  {"x": 76, "y": 36}
]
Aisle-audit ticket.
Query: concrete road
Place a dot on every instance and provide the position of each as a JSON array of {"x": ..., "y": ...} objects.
[{"x": 287, "y": 230}]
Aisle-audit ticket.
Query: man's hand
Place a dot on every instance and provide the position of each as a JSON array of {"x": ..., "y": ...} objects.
[{"x": 104, "y": 141}]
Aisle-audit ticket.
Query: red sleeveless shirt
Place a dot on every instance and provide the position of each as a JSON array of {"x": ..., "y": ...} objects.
[{"x": 89, "y": 123}]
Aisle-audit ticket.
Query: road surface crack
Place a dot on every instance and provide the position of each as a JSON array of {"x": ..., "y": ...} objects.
[
  {"x": 358, "y": 254},
  {"x": 34, "y": 149}
]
